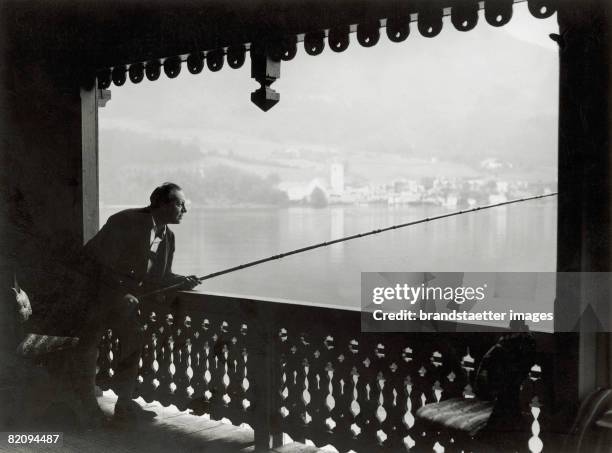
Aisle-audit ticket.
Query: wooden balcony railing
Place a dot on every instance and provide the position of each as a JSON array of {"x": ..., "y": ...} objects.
[{"x": 309, "y": 372}]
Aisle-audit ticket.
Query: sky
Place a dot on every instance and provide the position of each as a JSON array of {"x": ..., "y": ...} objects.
[{"x": 456, "y": 99}]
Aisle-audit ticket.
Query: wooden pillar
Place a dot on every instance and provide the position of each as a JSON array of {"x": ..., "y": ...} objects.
[
  {"x": 89, "y": 156},
  {"x": 42, "y": 176},
  {"x": 585, "y": 189}
]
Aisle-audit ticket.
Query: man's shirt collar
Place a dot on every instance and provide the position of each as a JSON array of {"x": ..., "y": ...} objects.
[{"x": 157, "y": 230}]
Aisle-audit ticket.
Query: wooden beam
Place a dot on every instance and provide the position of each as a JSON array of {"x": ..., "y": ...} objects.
[{"x": 89, "y": 162}]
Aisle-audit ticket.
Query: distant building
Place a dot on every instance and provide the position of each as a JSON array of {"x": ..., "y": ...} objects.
[
  {"x": 502, "y": 186},
  {"x": 491, "y": 163},
  {"x": 452, "y": 201}
]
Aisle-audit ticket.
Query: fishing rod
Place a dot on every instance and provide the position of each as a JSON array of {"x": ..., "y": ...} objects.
[{"x": 344, "y": 239}]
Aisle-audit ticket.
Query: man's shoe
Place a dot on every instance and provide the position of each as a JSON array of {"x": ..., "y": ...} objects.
[{"x": 131, "y": 411}]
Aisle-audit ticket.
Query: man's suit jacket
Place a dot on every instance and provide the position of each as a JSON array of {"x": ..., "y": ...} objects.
[{"x": 121, "y": 249}]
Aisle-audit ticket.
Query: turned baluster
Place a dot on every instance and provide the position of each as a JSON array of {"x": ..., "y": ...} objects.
[
  {"x": 221, "y": 378},
  {"x": 148, "y": 363},
  {"x": 321, "y": 390},
  {"x": 240, "y": 379},
  {"x": 367, "y": 401},
  {"x": 104, "y": 362},
  {"x": 200, "y": 351},
  {"x": 353, "y": 414},
  {"x": 182, "y": 360}
]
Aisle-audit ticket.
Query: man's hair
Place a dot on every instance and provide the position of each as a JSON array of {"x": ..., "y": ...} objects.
[{"x": 163, "y": 194}]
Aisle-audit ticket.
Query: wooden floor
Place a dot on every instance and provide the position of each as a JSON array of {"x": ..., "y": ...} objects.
[{"x": 171, "y": 431}]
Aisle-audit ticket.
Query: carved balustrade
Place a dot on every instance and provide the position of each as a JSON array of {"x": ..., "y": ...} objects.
[{"x": 309, "y": 372}]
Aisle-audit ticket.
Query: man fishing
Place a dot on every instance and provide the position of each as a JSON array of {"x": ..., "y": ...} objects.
[
  {"x": 131, "y": 256},
  {"x": 129, "y": 260}
]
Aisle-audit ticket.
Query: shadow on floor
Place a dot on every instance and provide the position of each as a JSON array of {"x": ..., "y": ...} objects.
[{"x": 171, "y": 431}]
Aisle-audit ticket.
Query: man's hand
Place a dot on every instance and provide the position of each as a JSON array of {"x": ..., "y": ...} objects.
[
  {"x": 131, "y": 300},
  {"x": 23, "y": 304},
  {"x": 191, "y": 281}
]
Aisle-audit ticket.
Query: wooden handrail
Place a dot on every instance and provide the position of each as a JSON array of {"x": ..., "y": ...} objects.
[{"x": 306, "y": 371}]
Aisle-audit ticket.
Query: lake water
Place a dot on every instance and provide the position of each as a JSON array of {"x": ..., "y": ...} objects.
[{"x": 520, "y": 237}]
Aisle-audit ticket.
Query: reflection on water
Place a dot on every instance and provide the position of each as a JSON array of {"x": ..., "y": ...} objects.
[
  {"x": 519, "y": 237},
  {"x": 337, "y": 231}
]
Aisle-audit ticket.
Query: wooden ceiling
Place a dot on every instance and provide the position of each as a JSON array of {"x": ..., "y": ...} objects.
[{"x": 88, "y": 36}]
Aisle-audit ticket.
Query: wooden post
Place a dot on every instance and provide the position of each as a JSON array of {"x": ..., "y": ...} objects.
[
  {"x": 89, "y": 153},
  {"x": 261, "y": 365}
]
